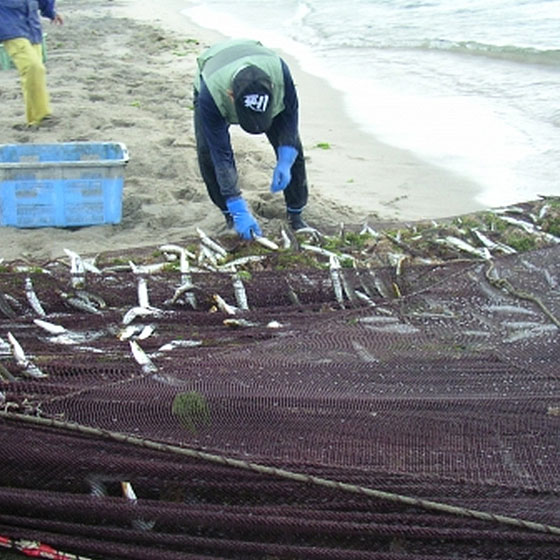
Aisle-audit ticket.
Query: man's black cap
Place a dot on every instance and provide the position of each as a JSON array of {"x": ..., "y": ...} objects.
[{"x": 252, "y": 94}]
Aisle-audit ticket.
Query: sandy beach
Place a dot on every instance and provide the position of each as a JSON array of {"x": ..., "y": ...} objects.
[{"x": 122, "y": 71}]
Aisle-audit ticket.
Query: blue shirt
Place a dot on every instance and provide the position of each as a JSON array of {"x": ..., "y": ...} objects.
[{"x": 20, "y": 19}]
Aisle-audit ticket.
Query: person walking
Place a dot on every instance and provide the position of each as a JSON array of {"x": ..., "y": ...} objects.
[
  {"x": 22, "y": 37},
  {"x": 242, "y": 82}
]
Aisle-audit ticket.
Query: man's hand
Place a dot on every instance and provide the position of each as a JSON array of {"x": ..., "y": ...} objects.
[
  {"x": 57, "y": 20},
  {"x": 282, "y": 172},
  {"x": 243, "y": 221}
]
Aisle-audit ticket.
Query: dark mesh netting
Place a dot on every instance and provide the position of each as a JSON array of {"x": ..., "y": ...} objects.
[{"x": 422, "y": 423}]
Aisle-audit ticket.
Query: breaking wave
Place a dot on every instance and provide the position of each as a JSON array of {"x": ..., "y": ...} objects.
[{"x": 525, "y": 55}]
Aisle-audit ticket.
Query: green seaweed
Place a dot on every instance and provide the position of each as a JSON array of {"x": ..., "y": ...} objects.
[{"x": 191, "y": 410}]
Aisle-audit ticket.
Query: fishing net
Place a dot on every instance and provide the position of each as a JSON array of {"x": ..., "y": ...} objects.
[{"x": 417, "y": 416}]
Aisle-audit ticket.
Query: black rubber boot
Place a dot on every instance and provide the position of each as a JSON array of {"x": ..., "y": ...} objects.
[
  {"x": 229, "y": 220},
  {"x": 296, "y": 221}
]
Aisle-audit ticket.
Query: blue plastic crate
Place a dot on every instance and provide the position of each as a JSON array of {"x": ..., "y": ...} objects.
[{"x": 61, "y": 185}]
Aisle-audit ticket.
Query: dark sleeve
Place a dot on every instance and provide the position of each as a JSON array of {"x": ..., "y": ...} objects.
[
  {"x": 285, "y": 124},
  {"x": 216, "y": 132},
  {"x": 46, "y": 8}
]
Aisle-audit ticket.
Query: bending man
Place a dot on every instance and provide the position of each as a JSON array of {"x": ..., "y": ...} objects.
[{"x": 242, "y": 82}]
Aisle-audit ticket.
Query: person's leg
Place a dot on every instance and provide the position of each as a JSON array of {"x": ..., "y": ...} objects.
[{"x": 28, "y": 59}]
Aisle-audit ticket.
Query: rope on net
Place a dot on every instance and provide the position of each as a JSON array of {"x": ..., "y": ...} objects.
[
  {"x": 282, "y": 473},
  {"x": 504, "y": 284}
]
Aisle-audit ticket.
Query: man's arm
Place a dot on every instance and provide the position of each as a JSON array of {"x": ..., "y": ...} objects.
[
  {"x": 286, "y": 123},
  {"x": 284, "y": 130},
  {"x": 47, "y": 9},
  {"x": 216, "y": 132}
]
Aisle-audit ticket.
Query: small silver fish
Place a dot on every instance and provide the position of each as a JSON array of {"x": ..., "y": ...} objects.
[
  {"x": 184, "y": 288},
  {"x": 223, "y": 306},
  {"x": 33, "y": 299},
  {"x": 186, "y": 279},
  {"x": 334, "y": 266},
  {"x": 364, "y": 297},
  {"x": 135, "y": 312},
  {"x": 141, "y": 332},
  {"x": 5, "y": 347},
  {"x": 6, "y": 308},
  {"x": 543, "y": 211},
  {"x": 97, "y": 487},
  {"x": 28, "y": 368},
  {"x": 129, "y": 331},
  {"x": 286, "y": 241},
  {"x": 80, "y": 304},
  {"x": 530, "y": 228},
  {"x": 91, "y": 298},
  {"x": 367, "y": 230},
  {"x": 381, "y": 286},
  {"x": 396, "y": 260},
  {"x": 239, "y": 291},
  {"x": 17, "y": 351},
  {"x": 457, "y": 243},
  {"x": 146, "y": 332},
  {"x": 318, "y": 250},
  {"x": 130, "y": 494},
  {"x": 326, "y": 252},
  {"x": 510, "y": 209},
  {"x": 211, "y": 244},
  {"x": 141, "y": 357},
  {"x": 178, "y": 344},
  {"x": 231, "y": 266},
  {"x": 170, "y": 248},
  {"x": 143, "y": 299},
  {"x": 90, "y": 266},
  {"x": 363, "y": 353},
  {"x": 313, "y": 233},
  {"x": 5, "y": 374},
  {"x": 208, "y": 254},
  {"x": 147, "y": 268},
  {"x": 292, "y": 294},
  {"x": 493, "y": 245},
  {"x": 265, "y": 242},
  {"x": 49, "y": 327},
  {"x": 77, "y": 269},
  {"x": 347, "y": 287},
  {"x": 237, "y": 323},
  {"x": 184, "y": 267}
]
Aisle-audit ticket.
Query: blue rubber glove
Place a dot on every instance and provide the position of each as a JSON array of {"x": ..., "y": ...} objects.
[
  {"x": 282, "y": 172},
  {"x": 243, "y": 222}
]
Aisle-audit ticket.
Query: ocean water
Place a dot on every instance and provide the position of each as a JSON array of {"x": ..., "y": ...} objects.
[{"x": 472, "y": 86}]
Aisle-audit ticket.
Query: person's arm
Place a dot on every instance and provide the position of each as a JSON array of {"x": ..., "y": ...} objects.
[
  {"x": 286, "y": 122},
  {"x": 286, "y": 131},
  {"x": 47, "y": 9},
  {"x": 216, "y": 132}
]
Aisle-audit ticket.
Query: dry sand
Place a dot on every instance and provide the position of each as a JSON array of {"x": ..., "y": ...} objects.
[{"x": 122, "y": 71}]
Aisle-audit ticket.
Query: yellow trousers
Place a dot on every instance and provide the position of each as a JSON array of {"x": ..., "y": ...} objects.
[{"x": 28, "y": 59}]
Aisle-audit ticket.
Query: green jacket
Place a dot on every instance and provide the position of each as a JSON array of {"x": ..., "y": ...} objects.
[{"x": 220, "y": 63}]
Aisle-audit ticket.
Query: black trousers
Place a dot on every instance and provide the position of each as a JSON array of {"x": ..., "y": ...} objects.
[{"x": 295, "y": 194}]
